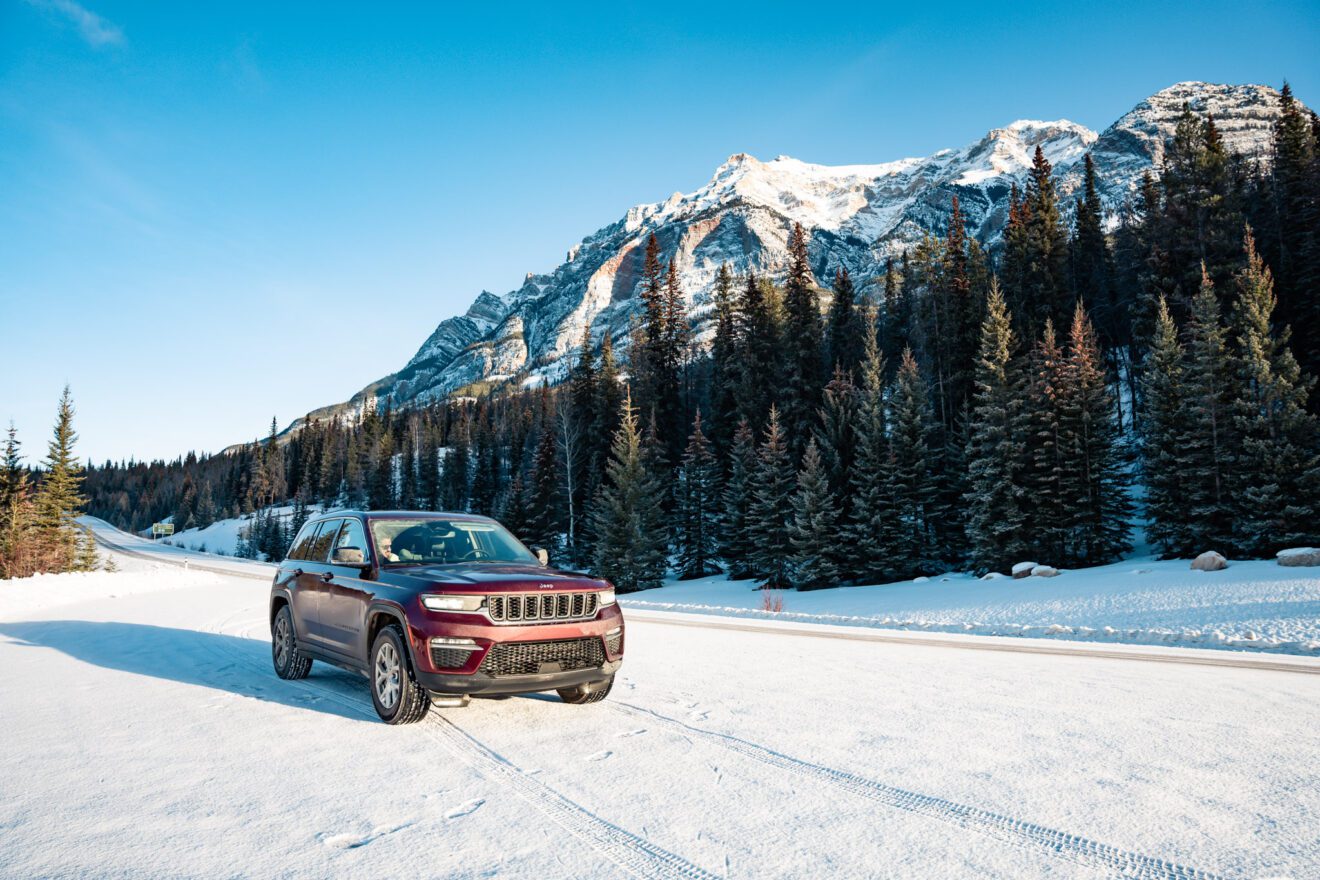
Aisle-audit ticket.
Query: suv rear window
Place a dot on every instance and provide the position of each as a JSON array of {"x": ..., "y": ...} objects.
[
  {"x": 325, "y": 536},
  {"x": 303, "y": 542}
]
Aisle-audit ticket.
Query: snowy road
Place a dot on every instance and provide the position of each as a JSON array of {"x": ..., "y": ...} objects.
[{"x": 147, "y": 736}]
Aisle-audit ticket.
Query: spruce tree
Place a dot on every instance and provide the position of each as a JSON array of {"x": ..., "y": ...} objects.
[
  {"x": 1278, "y": 496},
  {"x": 1207, "y": 450},
  {"x": 872, "y": 527},
  {"x": 914, "y": 488},
  {"x": 724, "y": 363},
  {"x": 87, "y": 558},
  {"x": 628, "y": 518},
  {"x": 772, "y": 490},
  {"x": 698, "y": 506},
  {"x": 1296, "y": 194},
  {"x": 758, "y": 352},
  {"x": 455, "y": 471},
  {"x": 59, "y": 498},
  {"x": 1095, "y": 493},
  {"x": 18, "y": 540},
  {"x": 997, "y": 449},
  {"x": 845, "y": 335},
  {"x": 737, "y": 541},
  {"x": 802, "y": 338},
  {"x": 1163, "y": 429},
  {"x": 544, "y": 503},
  {"x": 813, "y": 531},
  {"x": 837, "y": 433},
  {"x": 1046, "y": 453},
  {"x": 1093, "y": 265}
]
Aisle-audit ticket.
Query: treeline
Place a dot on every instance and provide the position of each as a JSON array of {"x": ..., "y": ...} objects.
[
  {"x": 39, "y": 532},
  {"x": 977, "y": 410}
]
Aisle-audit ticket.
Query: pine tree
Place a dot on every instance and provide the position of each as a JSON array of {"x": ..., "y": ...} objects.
[
  {"x": 698, "y": 501},
  {"x": 628, "y": 517},
  {"x": 772, "y": 490},
  {"x": 455, "y": 478},
  {"x": 1046, "y": 456},
  {"x": 837, "y": 433},
  {"x": 59, "y": 498},
  {"x": 724, "y": 363},
  {"x": 872, "y": 526},
  {"x": 1296, "y": 189},
  {"x": 1093, "y": 265},
  {"x": 1095, "y": 484},
  {"x": 997, "y": 449},
  {"x": 737, "y": 541},
  {"x": 758, "y": 352},
  {"x": 846, "y": 331},
  {"x": 87, "y": 558},
  {"x": 802, "y": 338},
  {"x": 1208, "y": 445},
  {"x": 813, "y": 532},
  {"x": 544, "y": 507},
  {"x": 914, "y": 486},
  {"x": 1036, "y": 254},
  {"x": 1278, "y": 496},
  {"x": 1163, "y": 422},
  {"x": 19, "y": 547}
]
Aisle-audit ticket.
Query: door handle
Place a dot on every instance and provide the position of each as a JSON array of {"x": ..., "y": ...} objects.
[{"x": 328, "y": 576}]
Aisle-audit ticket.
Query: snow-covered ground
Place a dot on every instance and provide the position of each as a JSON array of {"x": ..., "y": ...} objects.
[
  {"x": 1252, "y": 605},
  {"x": 146, "y": 736},
  {"x": 221, "y": 537}
]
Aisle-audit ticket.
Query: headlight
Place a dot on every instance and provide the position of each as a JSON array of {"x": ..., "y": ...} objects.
[
  {"x": 606, "y": 597},
  {"x": 453, "y": 603}
]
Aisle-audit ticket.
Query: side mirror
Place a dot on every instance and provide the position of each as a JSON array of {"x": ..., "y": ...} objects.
[
  {"x": 349, "y": 556},
  {"x": 542, "y": 555}
]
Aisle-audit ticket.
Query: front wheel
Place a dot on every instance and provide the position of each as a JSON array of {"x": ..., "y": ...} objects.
[
  {"x": 394, "y": 691},
  {"x": 586, "y": 693},
  {"x": 290, "y": 663}
]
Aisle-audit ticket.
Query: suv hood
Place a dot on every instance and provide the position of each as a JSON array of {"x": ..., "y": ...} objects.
[{"x": 499, "y": 577}]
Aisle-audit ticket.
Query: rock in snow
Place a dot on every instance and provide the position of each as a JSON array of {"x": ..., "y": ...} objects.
[
  {"x": 1044, "y": 571},
  {"x": 1023, "y": 569},
  {"x": 1209, "y": 561},
  {"x": 1300, "y": 556},
  {"x": 857, "y": 217}
]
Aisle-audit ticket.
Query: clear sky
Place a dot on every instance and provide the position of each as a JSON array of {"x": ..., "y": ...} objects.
[{"x": 212, "y": 213}]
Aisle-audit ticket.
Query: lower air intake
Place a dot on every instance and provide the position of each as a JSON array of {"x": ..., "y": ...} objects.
[{"x": 530, "y": 658}]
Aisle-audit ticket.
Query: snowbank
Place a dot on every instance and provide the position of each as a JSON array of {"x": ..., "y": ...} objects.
[{"x": 1254, "y": 605}]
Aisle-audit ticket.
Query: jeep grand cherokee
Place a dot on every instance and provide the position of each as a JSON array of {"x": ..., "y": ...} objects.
[{"x": 439, "y": 606}]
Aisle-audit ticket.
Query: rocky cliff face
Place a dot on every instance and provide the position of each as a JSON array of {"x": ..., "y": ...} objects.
[{"x": 857, "y": 216}]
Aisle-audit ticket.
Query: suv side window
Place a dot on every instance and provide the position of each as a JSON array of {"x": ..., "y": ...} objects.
[
  {"x": 303, "y": 542},
  {"x": 352, "y": 535},
  {"x": 320, "y": 548}
]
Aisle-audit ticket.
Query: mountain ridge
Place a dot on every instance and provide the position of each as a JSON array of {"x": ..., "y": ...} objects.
[{"x": 857, "y": 215}]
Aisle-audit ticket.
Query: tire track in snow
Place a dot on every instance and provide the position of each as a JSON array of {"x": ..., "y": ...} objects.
[
  {"x": 631, "y": 853},
  {"x": 1068, "y": 846}
]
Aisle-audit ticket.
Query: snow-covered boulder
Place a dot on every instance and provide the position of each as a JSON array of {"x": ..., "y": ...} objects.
[
  {"x": 1023, "y": 569},
  {"x": 994, "y": 576},
  {"x": 1209, "y": 561},
  {"x": 922, "y": 579},
  {"x": 1300, "y": 556},
  {"x": 1044, "y": 571}
]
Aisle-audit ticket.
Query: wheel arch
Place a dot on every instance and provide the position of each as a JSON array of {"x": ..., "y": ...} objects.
[
  {"x": 279, "y": 599},
  {"x": 379, "y": 616}
]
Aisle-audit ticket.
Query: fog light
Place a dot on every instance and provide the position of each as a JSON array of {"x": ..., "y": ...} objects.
[
  {"x": 614, "y": 632},
  {"x": 460, "y": 644}
]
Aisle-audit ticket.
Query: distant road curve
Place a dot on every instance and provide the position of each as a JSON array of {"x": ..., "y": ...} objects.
[{"x": 124, "y": 542}]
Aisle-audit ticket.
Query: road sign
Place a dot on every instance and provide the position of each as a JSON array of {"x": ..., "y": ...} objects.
[{"x": 161, "y": 529}]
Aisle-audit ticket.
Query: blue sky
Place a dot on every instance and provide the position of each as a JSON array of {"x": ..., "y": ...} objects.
[{"x": 215, "y": 213}]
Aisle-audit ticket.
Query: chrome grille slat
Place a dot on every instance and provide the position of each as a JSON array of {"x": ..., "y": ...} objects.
[{"x": 541, "y": 607}]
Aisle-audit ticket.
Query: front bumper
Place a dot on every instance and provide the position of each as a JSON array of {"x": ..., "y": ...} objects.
[
  {"x": 469, "y": 677},
  {"x": 480, "y": 683}
]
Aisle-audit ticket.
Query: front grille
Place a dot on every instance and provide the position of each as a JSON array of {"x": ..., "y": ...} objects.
[
  {"x": 541, "y": 607},
  {"x": 614, "y": 644},
  {"x": 448, "y": 658},
  {"x": 526, "y": 658}
]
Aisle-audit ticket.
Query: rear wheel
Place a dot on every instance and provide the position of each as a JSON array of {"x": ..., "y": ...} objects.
[
  {"x": 587, "y": 693},
  {"x": 394, "y": 691},
  {"x": 290, "y": 663}
]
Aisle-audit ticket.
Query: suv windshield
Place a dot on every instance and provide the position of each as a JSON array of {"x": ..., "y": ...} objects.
[{"x": 444, "y": 542}]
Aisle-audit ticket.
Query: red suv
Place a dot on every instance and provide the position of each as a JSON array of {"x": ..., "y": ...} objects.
[{"x": 439, "y": 606}]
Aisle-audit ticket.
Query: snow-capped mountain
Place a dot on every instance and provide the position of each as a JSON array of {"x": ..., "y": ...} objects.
[{"x": 857, "y": 216}]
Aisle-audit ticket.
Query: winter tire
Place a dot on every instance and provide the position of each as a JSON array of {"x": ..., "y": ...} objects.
[
  {"x": 577, "y": 696},
  {"x": 290, "y": 662},
  {"x": 398, "y": 698}
]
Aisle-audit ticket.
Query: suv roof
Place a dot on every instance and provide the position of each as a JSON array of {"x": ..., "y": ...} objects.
[{"x": 423, "y": 514}]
